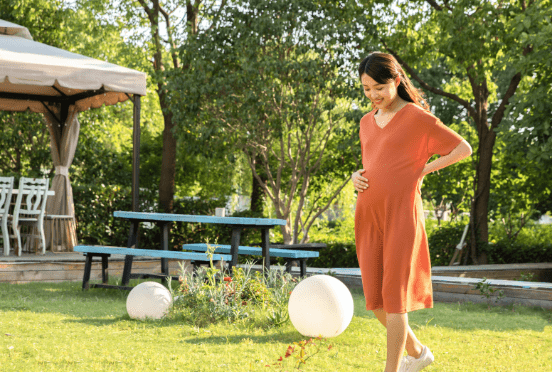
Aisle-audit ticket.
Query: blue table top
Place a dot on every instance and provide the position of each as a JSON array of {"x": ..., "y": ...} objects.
[{"x": 145, "y": 216}]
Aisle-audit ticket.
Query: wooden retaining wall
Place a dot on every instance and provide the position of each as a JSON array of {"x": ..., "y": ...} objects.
[
  {"x": 541, "y": 272},
  {"x": 457, "y": 289},
  {"x": 450, "y": 284},
  {"x": 61, "y": 271},
  {"x": 449, "y": 289}
]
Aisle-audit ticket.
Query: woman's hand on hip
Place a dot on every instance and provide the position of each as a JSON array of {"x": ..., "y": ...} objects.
[{"x": 359, "y": 182}]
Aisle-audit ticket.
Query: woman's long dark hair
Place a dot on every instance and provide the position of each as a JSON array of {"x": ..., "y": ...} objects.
[{"x": 383, "y": 67}]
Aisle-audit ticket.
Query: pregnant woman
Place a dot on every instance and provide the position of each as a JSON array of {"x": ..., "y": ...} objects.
[{"x": 397, "y": 138}]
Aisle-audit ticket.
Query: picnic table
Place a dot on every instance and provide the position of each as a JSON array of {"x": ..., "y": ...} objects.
[
  {"x": 164, "y": 220},
  {"x": 198, "y": 254}
]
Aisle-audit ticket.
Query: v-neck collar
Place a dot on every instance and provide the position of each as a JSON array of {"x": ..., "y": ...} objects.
[{"x": 392, "y": 119}]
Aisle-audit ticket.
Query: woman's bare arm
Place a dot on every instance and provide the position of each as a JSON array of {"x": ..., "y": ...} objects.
[{"x": 463, "y": 150}]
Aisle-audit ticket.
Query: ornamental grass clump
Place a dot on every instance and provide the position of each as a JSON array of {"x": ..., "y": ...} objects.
[{"x": 254, "y": 298}]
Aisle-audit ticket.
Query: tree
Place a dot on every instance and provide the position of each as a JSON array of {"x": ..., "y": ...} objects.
[
  {"x": 478, "y": 43},
  {"x": 25, "y": 143},
  {"x": 451, "y": 189},
  {"x": 167, "y": 31},
  {"x": 266, "y": 80},
  {"x": 527, "y": 145}
]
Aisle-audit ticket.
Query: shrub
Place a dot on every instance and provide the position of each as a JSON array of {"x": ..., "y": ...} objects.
[
  {"x": 443, "y": 241},
  {"x": 253, "y": 298},
  {"x": 339, "y": 237},
  {"x": 504, "y": 252},
  {"x": 336, "y": 254},
  {"x": 249, "y": 237},
  {"x": 186, "y": 233},
  {"x": 95, "y": 204},
  {"x": 533, "y": 244},
  {"x": 94, "y": 207}
]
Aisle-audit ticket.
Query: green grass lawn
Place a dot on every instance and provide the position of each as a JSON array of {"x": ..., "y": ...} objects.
[{"x": 58, "y": 327}]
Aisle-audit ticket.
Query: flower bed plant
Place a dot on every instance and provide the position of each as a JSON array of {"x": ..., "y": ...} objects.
[{"x": 212, "y": 295}]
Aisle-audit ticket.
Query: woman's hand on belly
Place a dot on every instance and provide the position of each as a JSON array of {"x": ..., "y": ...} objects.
[{"x": 359, "y": 182}]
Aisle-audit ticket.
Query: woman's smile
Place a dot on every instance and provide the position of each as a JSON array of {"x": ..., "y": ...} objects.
[{"x": 381, "y": 95}]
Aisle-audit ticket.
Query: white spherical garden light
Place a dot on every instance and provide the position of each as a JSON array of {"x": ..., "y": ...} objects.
[
  {"x": 321, "y": 305},
  {"x": 148, "y": 300}
]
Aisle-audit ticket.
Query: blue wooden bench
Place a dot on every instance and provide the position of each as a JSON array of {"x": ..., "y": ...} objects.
[
  {"x": 289, "y": 254},
  {"x": 91, "y": 251}
]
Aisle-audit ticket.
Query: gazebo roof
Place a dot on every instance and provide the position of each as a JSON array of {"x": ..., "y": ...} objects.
[{"x": 42, "y": 78}]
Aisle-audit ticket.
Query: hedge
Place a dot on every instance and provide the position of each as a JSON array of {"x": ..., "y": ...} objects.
[{"x": 95, "y": 204}]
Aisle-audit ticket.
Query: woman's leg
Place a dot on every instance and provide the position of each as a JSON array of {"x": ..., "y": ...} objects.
[
  {"x": 397, "y": 325},
  {"x": 413, "y": 346}
]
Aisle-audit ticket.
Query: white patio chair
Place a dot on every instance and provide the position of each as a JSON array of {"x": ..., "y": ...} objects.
[
  {"x": 6, "y": 188},
  {"x": 31, "y": 213}
]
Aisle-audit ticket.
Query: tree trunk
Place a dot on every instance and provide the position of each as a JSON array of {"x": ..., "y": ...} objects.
[
  {"x": 192, "y": 13},
  {"x": 257, "y": 192},
  {"x": 482, "y": 193},
  {"x": 168, "y": 157},
  {"x": 168, "y": 160},
  {"x": 287, "y": 233}
]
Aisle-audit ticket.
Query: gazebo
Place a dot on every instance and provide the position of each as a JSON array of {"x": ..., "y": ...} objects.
[{"x": 60, "y": 84}]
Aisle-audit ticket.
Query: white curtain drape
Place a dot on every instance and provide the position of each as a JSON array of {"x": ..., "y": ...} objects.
[{"x": 63, "y": 151}]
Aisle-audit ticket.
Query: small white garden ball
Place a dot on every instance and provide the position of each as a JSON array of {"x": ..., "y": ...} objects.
[
  {"x": 148, "y": 300},
  {"x": 321, "y": 305}
]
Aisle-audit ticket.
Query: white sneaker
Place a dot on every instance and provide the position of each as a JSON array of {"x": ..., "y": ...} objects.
[
  {"x": 402, "y": 366},
  {"x": 411, "y": 364}
]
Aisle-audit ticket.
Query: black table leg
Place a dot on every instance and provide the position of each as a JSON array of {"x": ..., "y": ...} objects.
[
  {"x": 87, "y": 269},
  {"x": 127, "y": 270},
  {"x": 303, "y": 267},
  {"x": 165, "y": 247},
  {"x": 105, "y": 272},
  {"x": 132, "y": 239},
  {"x": 265, "y": 241},
  {"x": 290, "y": 262},
  {"x": 234, "y": 246},
  {"x": 133, "y": 235}
]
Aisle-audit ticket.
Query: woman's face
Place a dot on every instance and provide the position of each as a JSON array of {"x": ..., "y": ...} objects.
[{"x": 381, "y": 95}]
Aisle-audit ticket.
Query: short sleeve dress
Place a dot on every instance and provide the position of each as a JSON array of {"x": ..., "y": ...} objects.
[{"x": 391, "y": 241}]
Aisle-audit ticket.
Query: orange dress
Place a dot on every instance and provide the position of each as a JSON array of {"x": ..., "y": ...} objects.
[{"x": 391, "y": 241}]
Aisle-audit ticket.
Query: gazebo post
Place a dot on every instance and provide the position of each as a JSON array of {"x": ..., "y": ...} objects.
[{"x": 136, "y": 154}]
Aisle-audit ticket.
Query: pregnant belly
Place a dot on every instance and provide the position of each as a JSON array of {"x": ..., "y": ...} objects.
[{"x": 385, "y": 184}]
